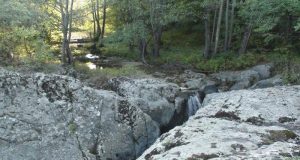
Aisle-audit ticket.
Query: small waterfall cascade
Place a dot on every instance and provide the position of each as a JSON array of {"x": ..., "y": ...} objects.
[{"x": 193, "y": 104}]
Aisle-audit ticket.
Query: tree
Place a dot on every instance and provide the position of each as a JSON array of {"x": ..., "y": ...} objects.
[
  {"x": 232, "y": 15},
  {"x": 96, "y": 19},
  {"x": 276, "y": 29},
  {"x": 104, "y": 19},
  {"x": 218, "y": 27},
  {"x": 156, "y": 12},
  {"x": 66, "y": 11},
  {"x": 20, "y": 28},
  {"x": 226, "y": 26}
]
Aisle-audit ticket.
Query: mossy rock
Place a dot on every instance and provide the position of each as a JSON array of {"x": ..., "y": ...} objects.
[
  {"x": 202, "y": 156},
  {"x": 279, "y": 135},
  {"x": 72, "y": 127}
]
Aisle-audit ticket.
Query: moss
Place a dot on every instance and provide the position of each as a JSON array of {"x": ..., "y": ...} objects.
[
  {"x": 126, "y": 113},
  {"x": 178, "y": 134},
  {"x": 72, "y": 127},
  {"x": 202, "y": 156},
  {"x": 286, "y": 119},
  {"x": 152, "y": 153},
  {"x": 279, "y": 135},
  {"x": 163, "y": 137},
  {"x": 256, "y": 120},
  {"x": 169, "y": 145},
  {"x": 227, "y": 115}
]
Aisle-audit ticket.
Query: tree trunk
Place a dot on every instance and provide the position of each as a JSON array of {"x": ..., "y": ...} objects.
[
  {"x": 143, "y": 50},
  {"x": 104, "y": 19},
  {"x": 67, "y": 16},
  {"x": 69, "y": 53},
  {"x": 157, "y": 41},
  {"x": 206, "y": 53},
  {"x": 98, "y": 35},
  {"x": 102, "y": 31},
  {"x": 94, "y": 20},
  {"x": 218, "y": 28},
  {"x": 214, "y": 26},
  {"x": 246, "y": 37},
  {"x": 226, "y": 26},
  {"x": 231, "y": 23}
]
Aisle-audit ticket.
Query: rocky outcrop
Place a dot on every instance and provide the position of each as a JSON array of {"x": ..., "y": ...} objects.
[
  {"x": 236, "y": 80},
  {"x": 245, "y": 124},
  {"x": 56, "y": 117},
  {"x": 270, "y": 82},
  {"x": 255, "y": 77},
  {"x": 157, "y": 98}
]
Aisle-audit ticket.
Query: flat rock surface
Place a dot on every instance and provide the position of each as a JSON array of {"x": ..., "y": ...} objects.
[{"x": 245, "y": 124}]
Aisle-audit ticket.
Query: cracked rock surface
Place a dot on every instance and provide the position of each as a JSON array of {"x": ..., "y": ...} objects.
[
  {"x": 154, "y": 96},
  {"x": 56, "y": 117},
  {"x": 245, "y": 124}
]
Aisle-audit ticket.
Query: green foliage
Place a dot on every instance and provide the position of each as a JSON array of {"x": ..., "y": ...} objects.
[
  {"x": 18, "y": 13},
  {"x": 120, "y": 50},
  {"x": 287, "y": 64},
  {"x": 267, "y": 16},
  {"x": 20, "y": 34},
  {"x": 28, "y": 26},
  {"x": 222, "y": 62}
]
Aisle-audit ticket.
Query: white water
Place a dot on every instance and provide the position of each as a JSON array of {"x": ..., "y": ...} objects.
[{"x": 193, "y": 105}]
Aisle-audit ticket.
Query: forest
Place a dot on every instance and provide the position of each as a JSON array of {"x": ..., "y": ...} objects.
[{"x": 205, "y": 35}]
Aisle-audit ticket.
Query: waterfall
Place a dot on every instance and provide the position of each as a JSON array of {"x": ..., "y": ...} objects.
[{"x": 193, "y": 105}]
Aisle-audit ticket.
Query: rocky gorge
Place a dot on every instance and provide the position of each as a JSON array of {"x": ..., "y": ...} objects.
[{"x": 48, "y": 116}]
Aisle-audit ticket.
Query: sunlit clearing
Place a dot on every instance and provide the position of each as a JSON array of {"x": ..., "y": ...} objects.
[{"x": 91, "y": 65}]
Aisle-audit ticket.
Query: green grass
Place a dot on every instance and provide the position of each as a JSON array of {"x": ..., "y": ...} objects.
[
  {"x": 127, "y": 70},
  {"x": 99, "y": 77},
  {"x": 119, "y": 50},
  {"x": 191, "y": 56}
]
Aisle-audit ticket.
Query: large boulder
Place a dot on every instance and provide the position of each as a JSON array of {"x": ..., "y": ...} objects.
[
  {"x": 56, "y": 117},
  {"x": 195, "y": 81},
  {"x": 271, "y": 82},
  {"x": 237, "y": 80},
  {"x": 245, "y": 124},
  {"x": 264, "y": 70},
  {"x": 154, "y": 96}
]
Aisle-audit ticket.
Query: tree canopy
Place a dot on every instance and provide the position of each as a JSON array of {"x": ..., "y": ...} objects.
[{"x": 31, "y": 27}]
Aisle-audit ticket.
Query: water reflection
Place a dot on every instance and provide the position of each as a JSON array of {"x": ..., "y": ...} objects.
[{"x": 91, "y": 56}]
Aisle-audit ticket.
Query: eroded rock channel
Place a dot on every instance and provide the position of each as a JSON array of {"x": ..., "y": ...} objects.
[{"x": 57, "y": 117}]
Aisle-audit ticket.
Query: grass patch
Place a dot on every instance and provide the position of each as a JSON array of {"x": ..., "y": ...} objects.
[
  {"x": 98, "y": 78},
  {"x": 193, "y": 56},
  {"x": 127, "y": 70},
  {"x": 120, "y": 50}
]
